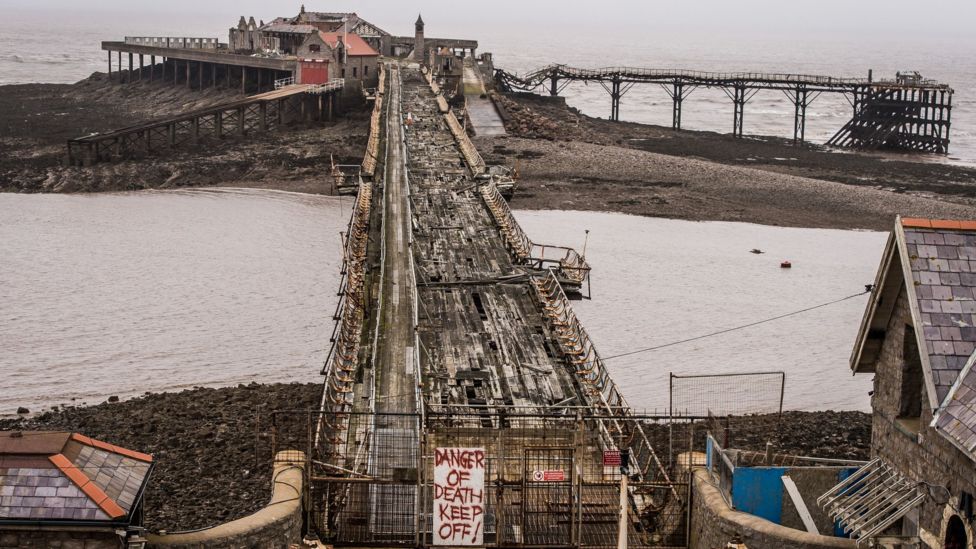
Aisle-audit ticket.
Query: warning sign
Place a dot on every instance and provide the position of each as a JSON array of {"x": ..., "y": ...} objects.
[
  {"x": 459, "y": 496},
  {"x": 549, "y": 476},
  {"x": 611, "y": 458}
]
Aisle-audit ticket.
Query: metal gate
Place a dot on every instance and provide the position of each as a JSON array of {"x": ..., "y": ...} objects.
[{"x": 549, "y": 500}]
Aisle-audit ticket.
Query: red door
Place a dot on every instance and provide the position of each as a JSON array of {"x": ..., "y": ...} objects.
[{"x": 315, "y": 71}]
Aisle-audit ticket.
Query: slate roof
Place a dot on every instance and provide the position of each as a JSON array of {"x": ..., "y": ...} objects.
[
  {"x": 942, "y": 260},
  {"x": 68, "y": 477},
  {"x": 956, "y": 418},
  {"x": 937, "y": 259},
  {"x": 285, "y": 28}
]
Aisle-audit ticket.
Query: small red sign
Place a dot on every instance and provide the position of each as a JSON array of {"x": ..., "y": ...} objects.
[
  {"x": 611, "y": 458},
  {"x": 549, "y": 476}
]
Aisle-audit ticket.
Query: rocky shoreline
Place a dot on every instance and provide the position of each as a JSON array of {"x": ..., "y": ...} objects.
[
  {"x": 39, "y": 118},
  {"x": 212, "y": 447},
  {"x": 570, "y": 161}
]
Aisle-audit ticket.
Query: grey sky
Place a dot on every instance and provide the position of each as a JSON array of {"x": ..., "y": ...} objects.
[{"x": 591, "y": 18}]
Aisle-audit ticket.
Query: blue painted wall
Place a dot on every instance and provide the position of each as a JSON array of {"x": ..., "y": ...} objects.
[{"x": 759, "y": 491}]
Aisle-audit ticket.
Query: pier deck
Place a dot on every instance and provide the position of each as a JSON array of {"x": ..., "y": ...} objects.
[
  {"x": 475, "y": 346},
  {"x": 908, "y": 113}
]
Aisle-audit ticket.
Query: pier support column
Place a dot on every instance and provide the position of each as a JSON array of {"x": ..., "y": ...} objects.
[
  {"x": 164, "y": 69},
  {"x": 244, "y": 80},
  {"x": 109, "y": 66},
  {"x": 129, "y": 77},
  {"x": 188, "y": 74},
  {"x": 141, "y": 65},
  {"x": 227, "y": 76},
  {"x": 677, "y": 97},
  {"x": 195, "y": 128},
  {"x": 200, "y": 75},
  {"x": 615, "y": 99},
  {"x": 800, "y": 115},
  {"x": 213, "y": 75},
  {"x": 554, "y": 85},
  {"x": 152, "y": 67},
  {"x": 259, "y": 79},
  {"x": 119, "y": 64},
  {"x": 739, "y": 102}
]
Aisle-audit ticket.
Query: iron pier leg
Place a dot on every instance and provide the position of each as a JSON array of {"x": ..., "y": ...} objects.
[
  {"x": 141, "y": 65},
  {"x": 164, "y": 69},
  {"x": 200, "y": 75},
  {"x": 152, "y": 68},
  {"x": 109, "y": 66},
  {"x": 615, "y": 100},
  {"x": 120, "y": 66},
  {"x": 739, "y": 101},
  {"x": 187, "y": 74},
  {"x": 554, "y": 86},
  {"x": 800, "y": 115},
  {"x": 678, "y": 97},
  {"x": 259, "y": 79},
  {"x": 227, "y": 76},
  {"x": 243, "y": 80},
  {"x": 213, "y": 75},
  {"x": 129, "y": 77}
]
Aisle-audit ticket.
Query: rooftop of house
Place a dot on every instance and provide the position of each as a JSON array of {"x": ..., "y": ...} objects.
[
  {"x": 938, "y": 257},
  {"x": 59, "y": 476},
  {"x": 355, "y": 45}
]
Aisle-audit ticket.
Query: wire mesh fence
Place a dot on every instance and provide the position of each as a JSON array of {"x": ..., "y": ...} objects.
[
  {"x": 546, "y": 480},
  {"x": 741, "y": 409}
]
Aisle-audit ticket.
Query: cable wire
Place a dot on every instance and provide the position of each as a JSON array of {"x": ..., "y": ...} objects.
[{"x": 741, "y": 327}]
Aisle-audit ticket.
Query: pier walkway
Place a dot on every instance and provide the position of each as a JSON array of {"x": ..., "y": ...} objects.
[
  {"x": 481, "y": 110},
  {"x": 474, "y": 346},
  {"x": 261, "y": 112},
  {"x": 908, "y": 113}
]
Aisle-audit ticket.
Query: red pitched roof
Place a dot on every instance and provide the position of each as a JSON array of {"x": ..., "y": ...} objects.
[
  {"x": 952, "y": 224},
  {"x": 355, "y": 45}
]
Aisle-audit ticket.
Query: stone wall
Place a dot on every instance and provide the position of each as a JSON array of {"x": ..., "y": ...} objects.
[
  {"x": 23, "y": 537},
  {"x": 278, "y": 525},
  {"x": 925, "y": 455},
  {"x": 714, "y": 524}
]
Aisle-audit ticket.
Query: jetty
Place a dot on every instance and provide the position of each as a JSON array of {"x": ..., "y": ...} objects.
[{"x": 906, "y": 113}]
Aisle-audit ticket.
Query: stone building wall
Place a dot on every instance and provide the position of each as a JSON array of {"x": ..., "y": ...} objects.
[
  {"x": 927, "y": 456},
  {"x": 22, "y": 537},
  {"x": 276, "y": 526},
  {"x": 714, "y": 524}
]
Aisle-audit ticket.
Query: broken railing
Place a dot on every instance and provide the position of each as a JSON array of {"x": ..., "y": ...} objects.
[
  {"x": 375, "y": 123},
  {"x": 343, "y": 358},
  {"x": 571, "y": 266},
  {"x": 468, "y": 150},
  {"x": 605, "y": 398}
]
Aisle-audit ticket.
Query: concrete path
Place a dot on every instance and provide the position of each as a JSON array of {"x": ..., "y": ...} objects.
[{"x": 484, "y": 117}]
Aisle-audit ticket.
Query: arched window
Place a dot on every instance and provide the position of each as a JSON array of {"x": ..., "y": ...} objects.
[{"x": 956, "y": 534}]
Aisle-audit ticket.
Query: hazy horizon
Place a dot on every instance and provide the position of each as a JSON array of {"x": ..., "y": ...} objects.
[{"x": 893, "y": 19}]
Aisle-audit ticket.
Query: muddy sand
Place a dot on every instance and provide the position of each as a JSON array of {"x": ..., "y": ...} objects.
[
  {"x": 36, "y": 120},
  {"x": 571, "y": 161}
]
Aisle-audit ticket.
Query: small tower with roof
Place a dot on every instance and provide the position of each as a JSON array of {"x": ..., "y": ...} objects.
[{"x": 418, "y": 43}]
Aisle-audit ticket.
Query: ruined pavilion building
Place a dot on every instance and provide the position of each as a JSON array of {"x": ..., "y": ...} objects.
[{"x": 918, "y": 338}]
